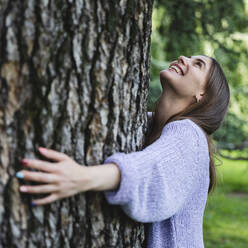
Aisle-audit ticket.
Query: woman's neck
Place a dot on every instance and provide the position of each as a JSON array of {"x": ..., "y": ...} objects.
[{"x": 168, "y": 105}]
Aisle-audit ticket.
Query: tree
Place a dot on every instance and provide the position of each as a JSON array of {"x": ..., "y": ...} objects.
[{"x": 74, "y": 78}]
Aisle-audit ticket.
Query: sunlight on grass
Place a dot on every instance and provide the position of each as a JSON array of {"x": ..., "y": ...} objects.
[
  {"x": 233, "y": 176},
  {"x": 225, "y": 219}
]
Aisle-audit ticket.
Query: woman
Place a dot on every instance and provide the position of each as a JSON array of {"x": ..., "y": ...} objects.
[{"x": 167, "y": 183}]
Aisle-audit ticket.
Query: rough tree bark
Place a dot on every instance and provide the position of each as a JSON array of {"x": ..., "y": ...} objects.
[{"x": 74, "y": 77}]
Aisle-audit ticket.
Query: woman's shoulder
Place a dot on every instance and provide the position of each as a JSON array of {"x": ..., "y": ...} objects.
[
  {"x": 189, "y": 137},
  {"x": 185, "y": 128}
]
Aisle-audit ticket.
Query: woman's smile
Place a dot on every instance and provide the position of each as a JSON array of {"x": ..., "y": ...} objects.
[{"x": 175, "y": 67}]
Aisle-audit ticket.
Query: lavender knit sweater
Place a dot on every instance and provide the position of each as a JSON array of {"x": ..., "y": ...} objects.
[{"x": 166, "y": 185}]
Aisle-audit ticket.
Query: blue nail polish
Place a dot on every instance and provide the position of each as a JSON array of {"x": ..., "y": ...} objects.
[
  {"x": 33, "y": 204},
  {"x": 19, "y": 175}
]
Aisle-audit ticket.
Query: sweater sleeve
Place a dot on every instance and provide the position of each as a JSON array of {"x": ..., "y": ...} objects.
[{"x": 156, "y": 182}]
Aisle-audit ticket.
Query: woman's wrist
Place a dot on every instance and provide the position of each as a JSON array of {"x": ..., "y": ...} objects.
[{"x": 104, "y": 177}]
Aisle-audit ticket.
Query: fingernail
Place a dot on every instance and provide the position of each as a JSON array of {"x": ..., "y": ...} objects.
[
  {"x": 33, "y": 203},
  {"x": 24, "y": 162},
  {"x": 19, "y": 175},
  {"x": 42, "y": 149},
  {"x": 23, "y": 188}
]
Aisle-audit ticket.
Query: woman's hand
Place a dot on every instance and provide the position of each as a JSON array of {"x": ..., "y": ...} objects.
[{"x": 62, "y": 179}]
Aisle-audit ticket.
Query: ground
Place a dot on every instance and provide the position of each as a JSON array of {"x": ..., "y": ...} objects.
[{"x": 225, "y": 219}]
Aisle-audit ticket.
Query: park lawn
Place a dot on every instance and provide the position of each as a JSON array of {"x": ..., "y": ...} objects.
[{"x": 226, "y": 216}]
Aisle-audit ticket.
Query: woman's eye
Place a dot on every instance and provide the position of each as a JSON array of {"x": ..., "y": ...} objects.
[{"x": 198, "y": 63}]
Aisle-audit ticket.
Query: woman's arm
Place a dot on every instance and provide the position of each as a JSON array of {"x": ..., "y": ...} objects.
[
  {"x": 105, "y": 177},
  {"x": 157, "y": 181},
  {"x": 65, "y": 177},
  {"x": 150, "y": 185}
]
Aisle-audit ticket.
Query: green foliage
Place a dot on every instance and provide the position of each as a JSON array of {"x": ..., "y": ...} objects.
[
  {"x": 236, "y": 128},
  {"x": 211, "y": 27}
]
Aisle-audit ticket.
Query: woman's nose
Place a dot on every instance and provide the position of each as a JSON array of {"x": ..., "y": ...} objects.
[{"x": 182, "y": 59}]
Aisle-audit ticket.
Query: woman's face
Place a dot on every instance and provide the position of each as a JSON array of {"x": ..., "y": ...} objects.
[{"x": 187, "y": 76}]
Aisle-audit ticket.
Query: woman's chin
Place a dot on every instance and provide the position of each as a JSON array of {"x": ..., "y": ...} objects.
[{"x": 167, "y": 74}]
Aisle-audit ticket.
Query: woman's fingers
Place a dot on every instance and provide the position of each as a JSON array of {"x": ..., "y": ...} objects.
[
  {"x": 52, "y": 154},
  {"x": 37, "y": 176},
  {"x": 44, "y": 165},
  {"x": 48, "y": 199},
  {"x": 39, "y": 189},
  {"x": 40, "y": 165},
  {"x": 62, "y": 178}
]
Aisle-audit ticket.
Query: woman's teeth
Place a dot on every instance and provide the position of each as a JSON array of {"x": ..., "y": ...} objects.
[{"x": 178, "y": 71}]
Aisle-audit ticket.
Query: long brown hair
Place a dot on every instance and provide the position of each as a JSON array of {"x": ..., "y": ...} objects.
[{"x": 208, "y": 114}]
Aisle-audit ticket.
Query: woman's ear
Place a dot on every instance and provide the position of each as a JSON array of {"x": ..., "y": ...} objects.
[{"x": 199, "y": 96}]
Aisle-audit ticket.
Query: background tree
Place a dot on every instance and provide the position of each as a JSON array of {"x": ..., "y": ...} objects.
[{"x": 74, "y": 77}]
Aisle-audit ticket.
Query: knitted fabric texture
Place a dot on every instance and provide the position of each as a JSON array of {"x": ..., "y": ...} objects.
[{"x": 166, "y": 185}]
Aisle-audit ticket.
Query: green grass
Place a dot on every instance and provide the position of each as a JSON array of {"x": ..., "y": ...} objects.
[{"x": 226, "y": 218}]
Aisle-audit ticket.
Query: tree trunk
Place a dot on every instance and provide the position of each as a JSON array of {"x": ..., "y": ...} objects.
[{"x": 74, "y": 77}]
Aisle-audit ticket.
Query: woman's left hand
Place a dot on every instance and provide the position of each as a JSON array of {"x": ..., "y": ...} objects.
[{"x": 62, "y": 179}]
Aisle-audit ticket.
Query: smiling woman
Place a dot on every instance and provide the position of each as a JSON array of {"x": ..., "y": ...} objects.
[
  {"x": 194, "y": 88},
  {"x": 167, "y": 183}
]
